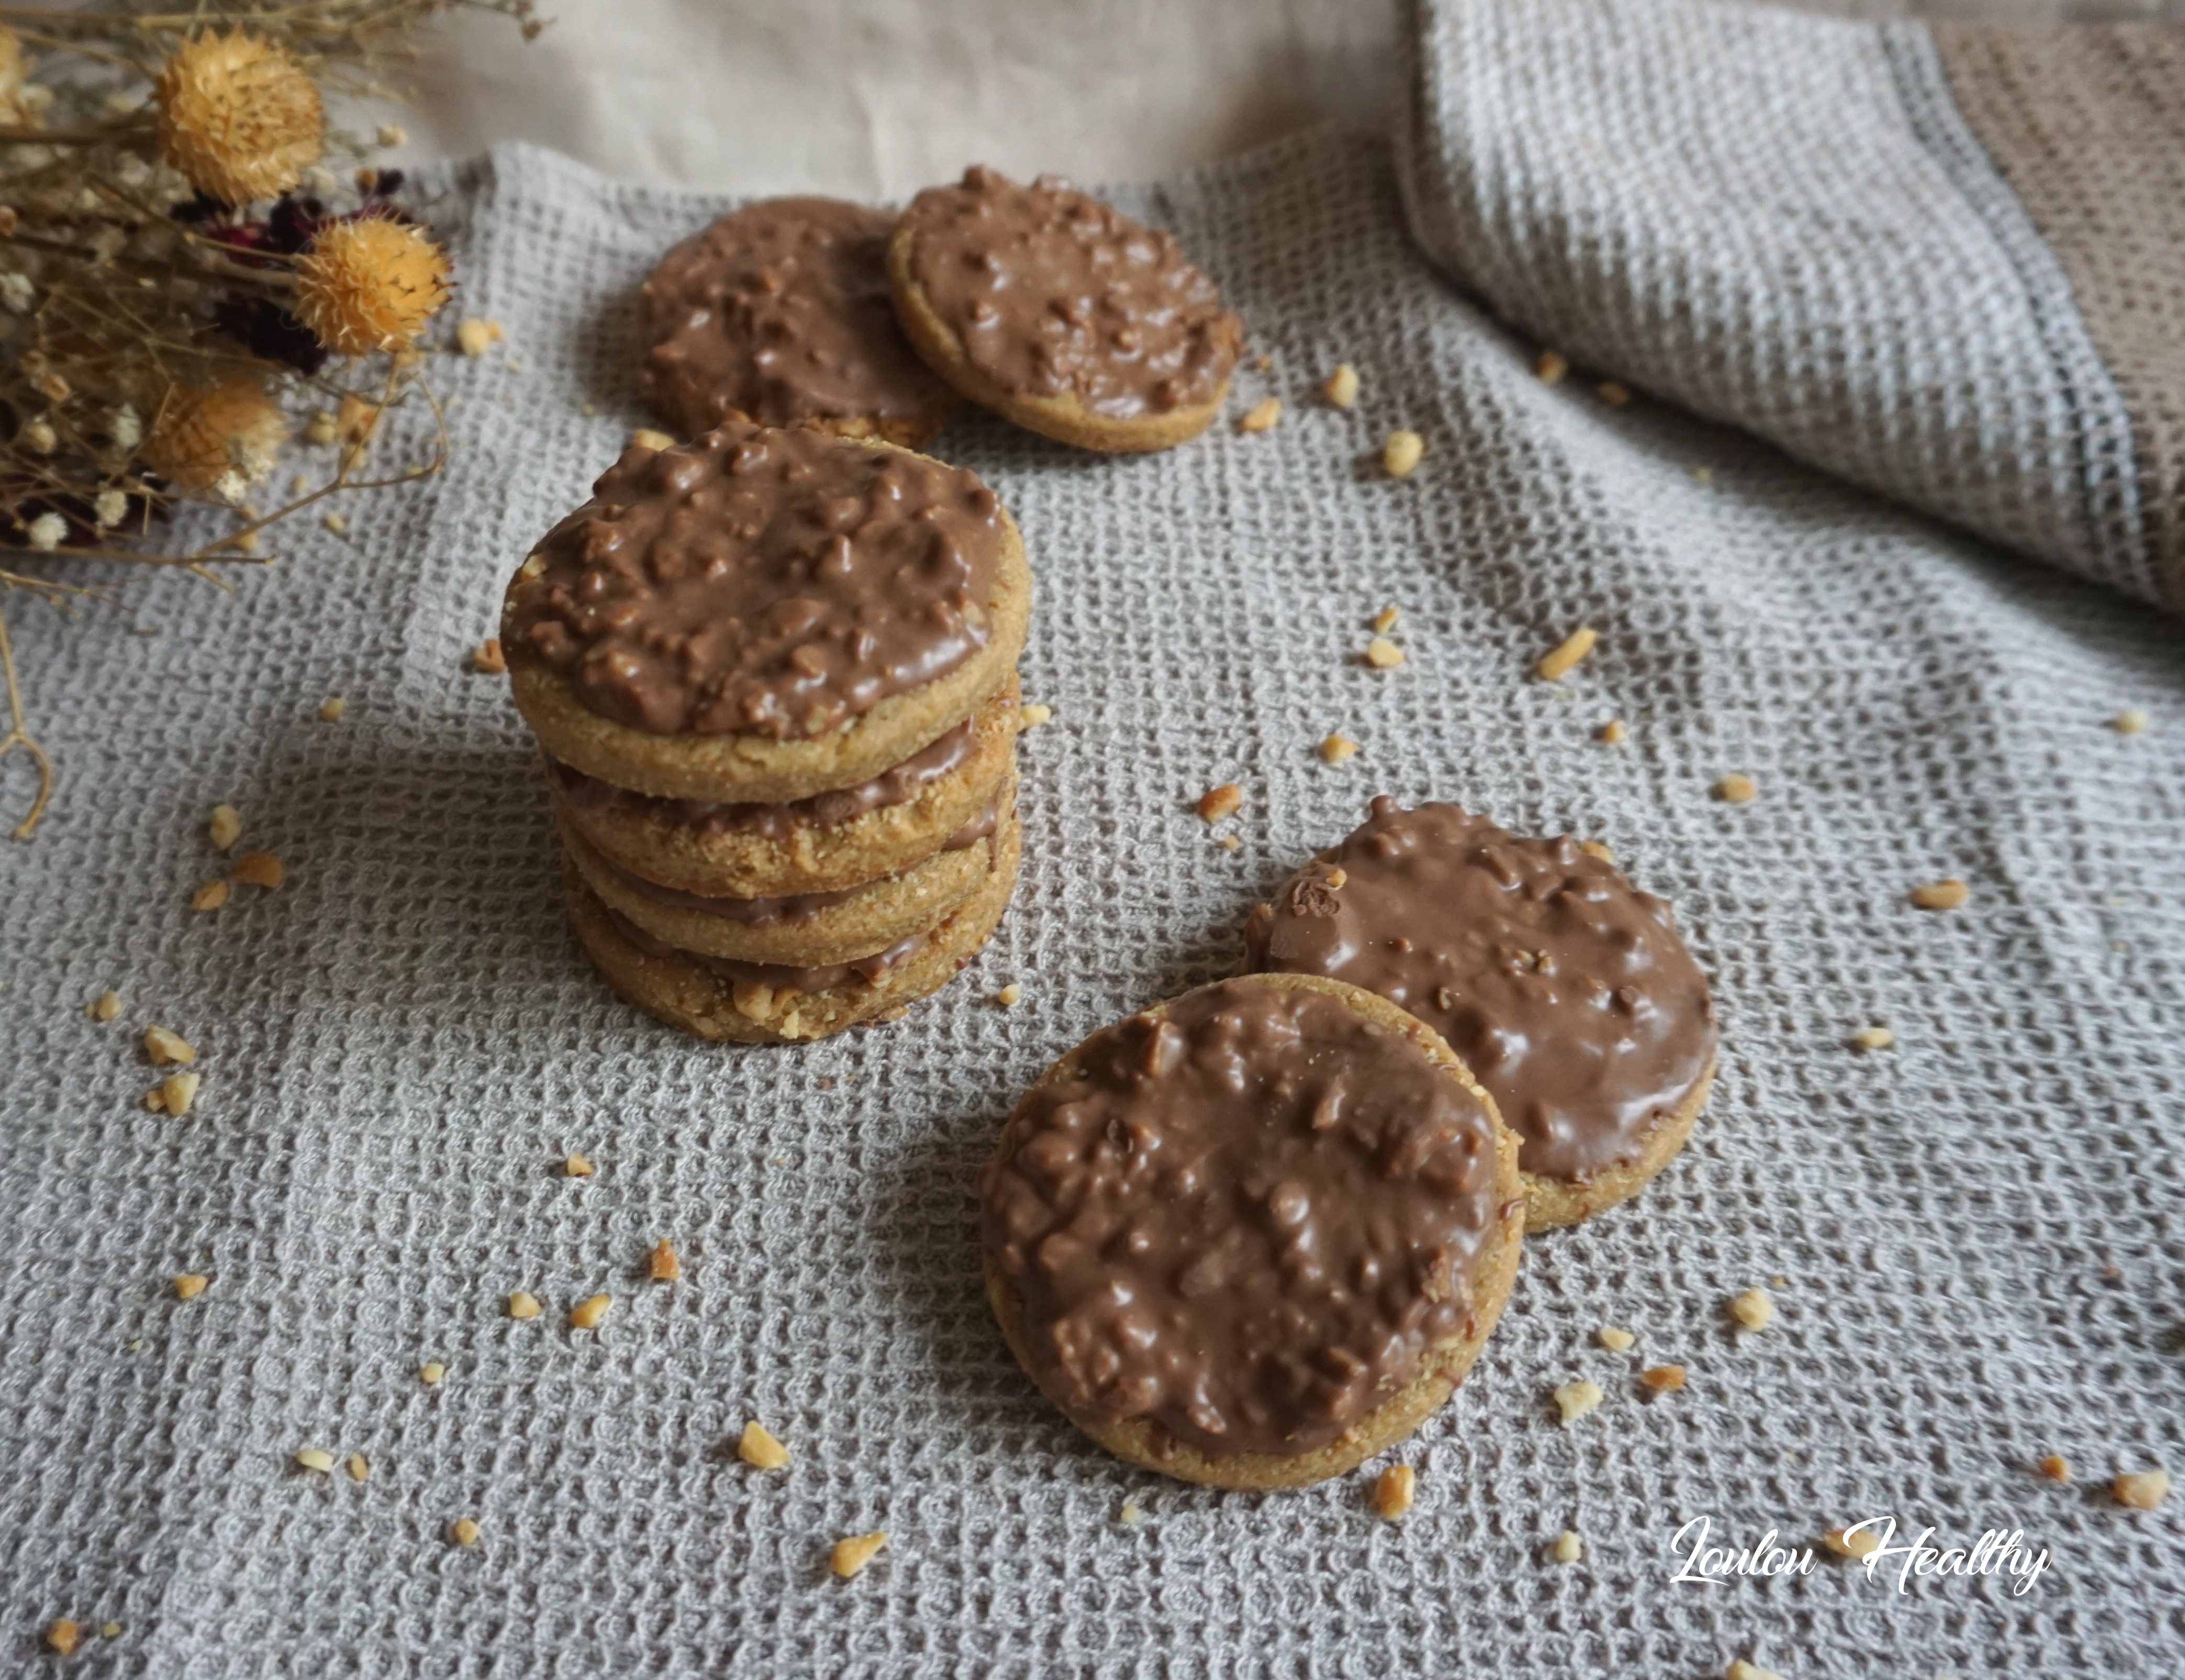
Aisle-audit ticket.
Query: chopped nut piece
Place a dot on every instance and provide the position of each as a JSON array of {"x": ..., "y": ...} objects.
[
  {"x": 1341, "y": 387},
  {"x": 225, "y": 826},
  {"x": 574, "y": 1165},
  {"x": 1739, "y": 1669},
  {"x": 155, "y": 1101},
  {"x": 463, "y": 1531},
  {"x": 1736, "y": 789},
  {"x": 586, "y": 1315},
  {"x": 487, "y": 658},
  {"x": 1383, "y": 655},
  {"x": 1941, "y": 895},
  {"x": 1611, "y": 732},
  {"x": 1336, "y": 748},
  {"x": 1576, "y": 1399},
  {"x": 260, "y": 869},
  {"x": 1596, "y": 849},
  {"x": 190, "y": 1284},
  {"x": 164, "y": 1047},
  {"x": 758, "y": 1447},
  {"x": 1264, "y": 416},
  {"x": 209, "y": 895},
  {"x": 2129, "y": 722},
  {"x": 1550, "y": 366},
  {"x": 1387, "y": 619},
  {"x": 178, "y": 1091},
  {"x": 523, "y": 1304},
  {"x": 1392, "y": 1491},
  {"x": 662, "y": 1265},
  {"x": 1131, "y": 1516},
  {"x": 330, "y": 709},
  {"x": 852, "y": 1554},
  {"x": 324, "y": 428},
  {"x": 1612, "y": 392},
  {"x": 1559, "y": 661},
  {"x": 475, "y": 337},
  {"x": 1568, "y": 1547},
  {"x": 2056, "y": 1467},
  {"x": 317, "y": 1458},
  {"x": 431, "y": 1372},
  {"x": 1338, "y": 878},
  {"x": 109, "y": 1630},
  {"x": 1231, "y": 843},
  {"x": 1755, "y": 1308},
  {"x": 1009, "y": 996},
  {"x": 1664, "y": 1379},
  {"x": 1616, "y": 1341},
  {"x": 104, "y": 1007},
  {"x": 336, "y": 523},
  {"x": 392, "y": 134},
  {"x": 1874, "y": 1038},
  {"x": 1859, "y": 1545},
  {"x": 1031, "y": 714},
  {"x": 1401, "y": 454},
  {"x": 360, "y": 1467},
  {"x": 62, "y": 1636},
  {"x": 1225, "y": 801},
  {"x": 646, "y": 438},
  {"x": 2143, "y": 1489}
]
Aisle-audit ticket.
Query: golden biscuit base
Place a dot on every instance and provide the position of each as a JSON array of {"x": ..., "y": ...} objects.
[
  {"x": 1063, "y": 418},
  {"x": 1141, "y": 1441},
  {"x": 883, "y": 841},
  {"x": 686, "y": 994},
  {"x": 757, "y": 768},
  {"x": 873, "y": 918},
  {"x": 1551, "y": 1203}
]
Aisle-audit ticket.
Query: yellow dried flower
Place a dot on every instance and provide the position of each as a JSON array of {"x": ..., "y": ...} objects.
[
  {"x": 203, "y": 435},
  {"x": 239, "y": 116},
  {"x": 369, "y": 285}
]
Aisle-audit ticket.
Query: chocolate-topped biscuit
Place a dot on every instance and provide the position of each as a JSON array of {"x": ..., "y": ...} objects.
[
  {"x": 1062, "y": 313},
  {"x": 779, "y": 313},
  {"x": 763, "y": 614},
  {"x": 1565, "y": 989},
  {"x": 1255, "y": 1234}
]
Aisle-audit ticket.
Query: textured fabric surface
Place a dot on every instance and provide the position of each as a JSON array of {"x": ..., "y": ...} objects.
[
  {"x": 2088, "y": 127},
  {"x": 1784, "y": 221},
  {"x": 1977, "y": 1232}
]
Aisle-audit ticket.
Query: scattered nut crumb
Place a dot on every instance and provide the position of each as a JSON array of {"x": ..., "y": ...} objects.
[
  {"x": 178, "y": 1091},
  {"x": 392, "y": 134},
  {"x": 1550, "y": 366},
  {"x": 109, "y": 1630},
  {"x": 1568, "y": 1547},
  {"x": 260, "y": 869},
  {"x": 336, "y": 523},
  {"x": 1664, "y": 1379},
  {"x": 188, "y": 1285},
  {"x": 155, "y": 1101},
  {"x": 475, "y": 337},
  {"x": 758, "y": 1447},
  {"x": 1612, "y": 392},
  {"x": 463, "y": 1531},
  {"x": 1225, "y": 801},
  {"x": 1755, "y": 1308},
  {"x": 1401, "y": 454},
  {"x": 225, "y": 826},
  {"x": 104, "y": 1007},
  {"x": 663, "y": 1266},
  {"x": 331, "y": 708},
  {"x": 1337, "y": 749},
  {"x": 1383, "y": 655},
  {"x": 2056, "y": 1467},
  {"x": 1739, "y": 1669},
  {"x": 1859, "y": 1545},
  {"x": 62, "y": 1636},
  {"x": 1231, "y": 843},
  {"x": 1558, "y": 662},
  {"x": 852, "y": 1554},
  {"x": 574, "y": 1165},
  {"x": 1941, "y": 895},
  {"x": 1340, "y": 387},
  {"x": 1616, "y": 1341},
  {"x": 431, "y": 1372},
  {"x": 1874, "y": 1038},
  {"x": 1611, "y": 732},
  {"x": 164, "y": 1047},
  {"x": 1264, "y": 416},
  {"x": 1393, "y": 1490},
  {"x": 587, "y": 1313},
  {"x": 1736, "y": 789},
  {"x": 2143, "y": 1489},
  {"x": 360, "y": 1467},
  {"x": 2129, "y": 722},
  {"x": 323, "y": 429},
  {"x": 209, "y": 895},
  {"x": 1596, "y": 849},
  {"x": 1576, "y": 1399},
  {"x": 1009, "y": 996},
  {"x": 316, "y": 1458},
  {"x": 644, "y": 438},
  {"x": 523, "y": 1304},
  {"x": 488, "y": 659},
  {"x": 1031, "y": 714}
]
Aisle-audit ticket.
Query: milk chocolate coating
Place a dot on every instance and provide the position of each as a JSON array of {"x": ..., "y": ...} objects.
[
  {"x": 1564, "y": 988},
  {"x": 760, "y": 581},
  {"x": 779, "y": 313},
  {"x": 893, "y": 786},
  {"x": 1248, "y": 1220},
  {"x": 1052, "y": 294}
]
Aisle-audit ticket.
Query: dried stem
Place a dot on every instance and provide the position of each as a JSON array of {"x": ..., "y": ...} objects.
[{"x": 19, "y": 735}]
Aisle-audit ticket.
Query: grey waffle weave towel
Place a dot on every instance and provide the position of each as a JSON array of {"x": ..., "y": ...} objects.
[{"x": 1977, "y": 1233}]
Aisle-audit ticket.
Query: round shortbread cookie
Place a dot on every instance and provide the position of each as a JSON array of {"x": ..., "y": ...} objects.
[
  {"x": 681, "y": 990},
  {"x": 767, "y": 851},
  {"x": 1489, "y": 1190},
  {"x": 1061, "y": 314}
]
